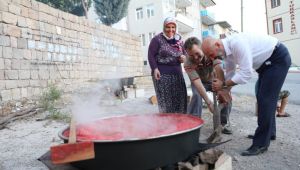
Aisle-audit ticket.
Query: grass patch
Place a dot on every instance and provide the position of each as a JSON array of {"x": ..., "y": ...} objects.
[
  {"x": 48, "y": 102},
  {"x": 56, "y": 114}
]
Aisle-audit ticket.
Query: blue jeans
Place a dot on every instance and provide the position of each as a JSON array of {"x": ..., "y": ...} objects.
[
  {"x": 271, "y": 76},
  {"x": 195, "y": 105}
]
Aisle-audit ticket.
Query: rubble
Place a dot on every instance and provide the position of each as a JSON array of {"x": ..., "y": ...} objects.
[{"x": 211, "y": 159}]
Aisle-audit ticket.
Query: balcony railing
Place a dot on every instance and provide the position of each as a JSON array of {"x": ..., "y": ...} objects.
[
  {"x": 209, "y": 33},
  {"x": 185, "y": 24},
  {"x": 183, "y": 3},
  {"x": 207, "y": 17},
  {"x": 207, "y": 3}
]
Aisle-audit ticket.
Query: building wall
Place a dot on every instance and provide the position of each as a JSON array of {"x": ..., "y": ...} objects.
[
  {"x": 220, "y": 30},
  {"x": 205, "y": 27},
  {"x": 292, "y": 41},
  {"x": 41, "y": 45},
  {"x": 194, "y": 14},
  {"x": 145, "y": 25}
]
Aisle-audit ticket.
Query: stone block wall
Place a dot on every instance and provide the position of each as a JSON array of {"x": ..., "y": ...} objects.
[{"x": 40, "y": 45}]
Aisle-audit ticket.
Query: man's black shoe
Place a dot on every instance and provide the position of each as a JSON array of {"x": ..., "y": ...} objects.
[
  {"x": 252, "y": 136},
  {"x": 254, "y": 150}
]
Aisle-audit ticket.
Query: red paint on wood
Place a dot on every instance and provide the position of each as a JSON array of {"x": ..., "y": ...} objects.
[{"x": 72, "y": 152}]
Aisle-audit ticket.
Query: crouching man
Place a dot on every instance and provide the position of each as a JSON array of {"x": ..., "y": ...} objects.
[{"x": 200, "y": 70}]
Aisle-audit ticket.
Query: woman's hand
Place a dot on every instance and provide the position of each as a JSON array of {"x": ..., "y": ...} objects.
[
  {"x": 182, "y": 58},
  {"x": 156, "y": 74}
]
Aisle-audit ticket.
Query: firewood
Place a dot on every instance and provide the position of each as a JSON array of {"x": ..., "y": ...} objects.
[
  {"x": 153, "y": 100},
  {"x": 3, "y": 125},
  {"x": 18, "y": 113}
]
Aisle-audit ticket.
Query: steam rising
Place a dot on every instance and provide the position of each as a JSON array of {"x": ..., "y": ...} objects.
[
  {"x": 99, "y": 101},
  {"x": 94, "y": 102}
]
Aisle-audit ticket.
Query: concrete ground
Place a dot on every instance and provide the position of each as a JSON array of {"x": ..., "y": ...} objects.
[
  {"x": 23, "y": 141},
  {"x": 283, "y": 153},
  {"x": 291, "y": 83}
]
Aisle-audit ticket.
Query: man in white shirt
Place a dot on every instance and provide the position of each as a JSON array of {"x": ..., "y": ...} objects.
[{"x": 270, "y": 59}]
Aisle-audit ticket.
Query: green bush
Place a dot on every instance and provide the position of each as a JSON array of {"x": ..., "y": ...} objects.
[
  {"x": 49, "y": 97},
  {"x": 48, "y": 102}
]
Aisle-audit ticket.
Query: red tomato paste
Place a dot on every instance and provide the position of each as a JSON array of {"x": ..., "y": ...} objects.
[{"x": 135, "y": 127}]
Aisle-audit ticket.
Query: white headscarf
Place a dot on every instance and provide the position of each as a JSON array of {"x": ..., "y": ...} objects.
[{"x": 167, "y": 21}]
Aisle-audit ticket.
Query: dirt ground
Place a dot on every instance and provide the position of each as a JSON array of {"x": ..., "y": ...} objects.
[{"x": 23, "y": 141}]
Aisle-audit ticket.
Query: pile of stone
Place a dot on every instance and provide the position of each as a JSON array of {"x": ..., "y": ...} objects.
[{"x": 211, "y": 159}]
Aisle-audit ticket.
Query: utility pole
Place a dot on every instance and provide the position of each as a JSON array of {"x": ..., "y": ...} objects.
[
  {"x": 242, "y": 16},
  {"x": 267, "y": 19}
]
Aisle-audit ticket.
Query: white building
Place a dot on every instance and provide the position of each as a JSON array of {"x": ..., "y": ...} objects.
[
  {"x": 145, "y": 18},
  {"x": 212, "y": 28},
  {"x": 283, "y": 18}
]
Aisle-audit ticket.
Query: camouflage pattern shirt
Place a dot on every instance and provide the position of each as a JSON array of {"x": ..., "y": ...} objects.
[{"x": 201, "y": 68}]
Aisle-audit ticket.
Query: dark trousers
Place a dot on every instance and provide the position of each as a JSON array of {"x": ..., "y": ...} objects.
[
  {"x": 195, "y": 105},
  {"x": 271, "y": 76}
]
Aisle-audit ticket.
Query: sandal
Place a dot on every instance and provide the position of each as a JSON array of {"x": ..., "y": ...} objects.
[{"x": 285, "y": 115}]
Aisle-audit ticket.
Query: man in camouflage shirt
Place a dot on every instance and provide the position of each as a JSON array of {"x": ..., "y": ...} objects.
[{"x": 200, "y": 71}]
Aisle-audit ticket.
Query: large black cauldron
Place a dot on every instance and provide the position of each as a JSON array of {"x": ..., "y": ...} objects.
[{"x": 144, "y": 154}]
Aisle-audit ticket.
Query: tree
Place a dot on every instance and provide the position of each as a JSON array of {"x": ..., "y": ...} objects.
[
  {"x": 75, "y": 7},
  {"x": 111, "y": 11}
]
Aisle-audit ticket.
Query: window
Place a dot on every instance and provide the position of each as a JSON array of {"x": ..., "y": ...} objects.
[
  {"x": 139, "y": 13},
  {"x": 145, "y": 62},
  {"x": 277, "y": 26},
  {"x": 143, "y": 39},
  {"x": 151, "y": 35},
  {"x": 172, "y": 4},
  {"x": 150, "y": 10},
  {"x": 169, "y": 4},
  {"x": 222, "y": 36},
  {"x": 275, "y": 3}
]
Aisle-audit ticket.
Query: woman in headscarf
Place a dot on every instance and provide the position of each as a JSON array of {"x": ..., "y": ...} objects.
[{"x": 165, "y": 55}]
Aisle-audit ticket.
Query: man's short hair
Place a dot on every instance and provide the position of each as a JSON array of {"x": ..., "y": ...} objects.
[{"x": 188, "y": 44}]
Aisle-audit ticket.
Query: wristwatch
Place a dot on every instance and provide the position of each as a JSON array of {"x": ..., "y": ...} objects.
[{"x": 224, "y": 85}]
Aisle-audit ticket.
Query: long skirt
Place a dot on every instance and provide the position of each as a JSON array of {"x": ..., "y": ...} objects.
[{"x": 171, "y": 93}]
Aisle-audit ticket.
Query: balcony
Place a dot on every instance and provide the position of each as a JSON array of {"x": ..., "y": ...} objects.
[
  {"x": 207, "y": 3},
  {"x": 224, "y": 24},
  {"x": 185, "y": 24},
  {"x": 207, "y": 17},
  {"x": 209, "y": 33},
  {"x": 183, "y": 3}
]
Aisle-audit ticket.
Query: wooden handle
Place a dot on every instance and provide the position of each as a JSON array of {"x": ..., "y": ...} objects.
[
  {"x": 72, "y": 135},
  {"x": 217, "y": 114},
  {"x": 214, "y": 75}
]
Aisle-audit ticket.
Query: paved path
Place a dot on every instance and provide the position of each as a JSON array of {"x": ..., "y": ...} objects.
[{"x": 292, "y": 83}]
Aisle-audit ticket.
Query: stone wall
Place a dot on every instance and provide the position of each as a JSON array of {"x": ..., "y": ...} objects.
[{"x": 40, "y": 45}]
